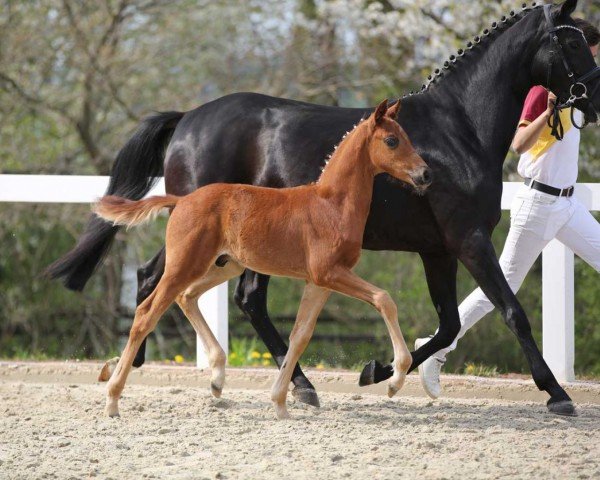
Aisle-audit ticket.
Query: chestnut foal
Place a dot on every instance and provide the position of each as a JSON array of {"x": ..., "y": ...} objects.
[{"x": 311, "y": 232}]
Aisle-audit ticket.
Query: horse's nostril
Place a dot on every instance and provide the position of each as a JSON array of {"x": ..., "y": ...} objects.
[{"x": 426, "y": 176}]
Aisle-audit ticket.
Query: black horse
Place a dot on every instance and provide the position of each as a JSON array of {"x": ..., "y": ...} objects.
[{"x": 462, "y": 123}]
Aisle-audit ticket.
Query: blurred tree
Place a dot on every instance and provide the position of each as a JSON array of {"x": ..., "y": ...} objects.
[{"x": 77, "y": 76}]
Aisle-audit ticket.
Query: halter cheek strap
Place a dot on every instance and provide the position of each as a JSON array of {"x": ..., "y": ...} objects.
[{"x": 579, "y": 85}]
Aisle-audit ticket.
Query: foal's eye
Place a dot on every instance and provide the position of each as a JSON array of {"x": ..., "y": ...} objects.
[
  {"x": 574, "y": 45},
  {"x": 391, "y": 141}
]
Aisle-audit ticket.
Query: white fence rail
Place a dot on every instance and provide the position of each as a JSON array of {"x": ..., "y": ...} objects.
[
  {"x": 87, "y": 189},
  {"x": 558, "y": 279}
]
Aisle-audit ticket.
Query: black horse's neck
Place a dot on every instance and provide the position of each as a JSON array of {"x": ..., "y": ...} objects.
[{"x": 476, "y": 104}]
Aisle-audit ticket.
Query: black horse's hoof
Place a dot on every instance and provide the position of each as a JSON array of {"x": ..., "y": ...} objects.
[
  {"x": 367, "y": 376},
  {"x": 306, "y": 395},
  {"x": 562, "y": 407},
  {"x": 374, "y": 372}
]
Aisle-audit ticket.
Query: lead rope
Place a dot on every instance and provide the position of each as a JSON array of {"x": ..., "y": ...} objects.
[{"x": 557, "y": 129}]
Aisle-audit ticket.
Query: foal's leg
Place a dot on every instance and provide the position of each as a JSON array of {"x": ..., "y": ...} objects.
[
  {"x": 313, "y": 300},
  {"x": 147, "y": 316},
  {"x": 148, "y": 277},
  {"x": 346, "y": 282},
  {"x": 440, "y": 271},
  {"x": 184, "y": 265},
  {"x": 188, "y": 301},
  {"x": 251, "y": 298}
]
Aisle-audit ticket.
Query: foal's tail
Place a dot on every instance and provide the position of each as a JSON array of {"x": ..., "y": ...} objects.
[
  {"x": 122, "y": 211},
  {"x": 135, "y": 171}
]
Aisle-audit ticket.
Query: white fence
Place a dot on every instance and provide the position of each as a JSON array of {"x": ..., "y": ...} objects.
[
  {"x": 87, "y": 189},
  {"x": 558, "y": 279}
]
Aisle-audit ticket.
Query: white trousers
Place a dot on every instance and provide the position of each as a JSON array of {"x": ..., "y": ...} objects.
[{"x": 535, "y": 219}]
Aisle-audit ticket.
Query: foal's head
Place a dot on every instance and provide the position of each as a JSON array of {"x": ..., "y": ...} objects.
[{"x": 391, "y": 151}]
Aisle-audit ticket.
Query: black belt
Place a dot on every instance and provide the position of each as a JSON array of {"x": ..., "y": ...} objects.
[{"x": 542, "y": 187}]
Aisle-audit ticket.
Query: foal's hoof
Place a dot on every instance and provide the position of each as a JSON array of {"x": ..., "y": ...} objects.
[
  {"x": 392, "y": 390},
  {"x": 112, "y": 409},
  {"x": 281, "y": 412},
  {"x": 562, "y": 407},
  {"x": 215, "y": 390},
  {"x": 108, "y": 369},
  {"x": 306, "y": 395}
]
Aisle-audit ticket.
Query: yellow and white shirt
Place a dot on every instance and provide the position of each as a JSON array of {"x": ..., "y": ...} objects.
[{"x": 550, "y": 161}]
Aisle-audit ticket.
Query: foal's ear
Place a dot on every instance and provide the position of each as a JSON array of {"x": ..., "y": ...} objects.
[
  {"x": 380, "y": 112},
  {"x": 393, "y": 110}
]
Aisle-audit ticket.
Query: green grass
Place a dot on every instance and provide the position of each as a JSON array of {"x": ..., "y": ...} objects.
[
  {"x": 480, "y": 370},
  {"x": 18, "y": 353},
  {"x": 247, "y": 352}
]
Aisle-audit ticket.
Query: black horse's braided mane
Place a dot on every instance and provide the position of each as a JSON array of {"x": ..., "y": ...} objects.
[{"x": 499, "y": 27}]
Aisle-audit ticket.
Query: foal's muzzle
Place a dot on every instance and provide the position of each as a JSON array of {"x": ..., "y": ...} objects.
[{"x": 422, "y": 177}]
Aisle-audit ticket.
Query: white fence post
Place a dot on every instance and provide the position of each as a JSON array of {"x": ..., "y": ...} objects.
[
  {"x": 214, "y": 307},
  {"x": 558, "y": 289},
  {"x": 558, "y": 310}
]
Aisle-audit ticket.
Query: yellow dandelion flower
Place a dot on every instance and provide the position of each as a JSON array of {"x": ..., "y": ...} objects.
[
  {"x": 255, "y": 354},
  {"x": 266, "y": 362},
  {"x": 179, "y": 359},
  {"x": 267, "y": 355},
  {"x": 320, "y": 366},
  {"x": 233, "y": 355}
]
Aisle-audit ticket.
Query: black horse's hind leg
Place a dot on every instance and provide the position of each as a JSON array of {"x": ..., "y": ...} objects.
[
  {"x": 251, "y": 297},
  {"x": 148, "y": 276},
  {"x": 479, "y": 257},
  {"x": 440, "y": 271}
]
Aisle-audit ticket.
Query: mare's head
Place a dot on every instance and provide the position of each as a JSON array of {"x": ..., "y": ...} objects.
[
  {"x": 391, "y": 151},
  {"x": 564, "y": 62}
]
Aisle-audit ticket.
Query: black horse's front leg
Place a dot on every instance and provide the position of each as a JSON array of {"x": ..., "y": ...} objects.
[
  {"x": 251, "y": 297},
  {"x": 440, "y": 271},
  {"x": 479, "y": 258}
]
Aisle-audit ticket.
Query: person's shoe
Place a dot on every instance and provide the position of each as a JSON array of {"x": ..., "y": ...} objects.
[{"x": 429, "y": 371}]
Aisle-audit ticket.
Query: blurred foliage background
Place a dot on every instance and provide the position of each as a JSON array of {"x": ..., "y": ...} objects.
[{"x": 77, "y": 76}]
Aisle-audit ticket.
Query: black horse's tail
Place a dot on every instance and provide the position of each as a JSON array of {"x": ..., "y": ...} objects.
[{"x": 134, "y": 173}]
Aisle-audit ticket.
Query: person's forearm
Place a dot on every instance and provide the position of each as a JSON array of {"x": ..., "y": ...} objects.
[{"x": 526, "y": 136}]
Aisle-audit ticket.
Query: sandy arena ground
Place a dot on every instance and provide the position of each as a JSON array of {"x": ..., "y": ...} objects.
[{"x": 52, "y": 426}]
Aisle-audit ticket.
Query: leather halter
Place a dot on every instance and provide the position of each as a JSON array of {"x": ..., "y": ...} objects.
[{"x": 579, "y": 85}]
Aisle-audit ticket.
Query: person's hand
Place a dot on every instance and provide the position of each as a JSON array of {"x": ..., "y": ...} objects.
[{"x": 551, "y": 103}]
